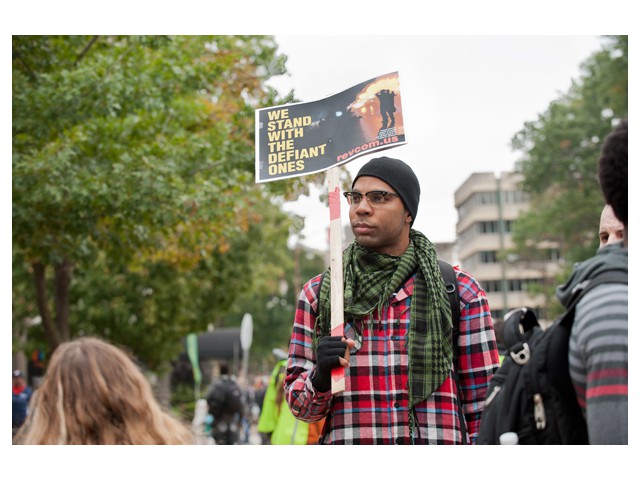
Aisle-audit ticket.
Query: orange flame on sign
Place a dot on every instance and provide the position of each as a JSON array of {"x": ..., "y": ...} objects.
[{"x": 389, "y": 82}]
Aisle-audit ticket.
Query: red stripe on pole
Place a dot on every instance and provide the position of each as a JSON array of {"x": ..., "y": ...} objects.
[{"x": 334, "y": 204}]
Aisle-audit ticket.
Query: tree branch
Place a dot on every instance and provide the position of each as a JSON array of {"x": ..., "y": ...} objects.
[
  {"x": 24, "y": 63},
  {"x": 86, "y": 49}
]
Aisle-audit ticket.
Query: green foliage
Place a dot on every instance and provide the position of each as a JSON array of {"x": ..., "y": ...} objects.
[
  {"x": 559, "y": 157},
  {"x": 100, "y": 144},
  {"x": 272, "y": 307},
  {"x": 133, "y": 162}
]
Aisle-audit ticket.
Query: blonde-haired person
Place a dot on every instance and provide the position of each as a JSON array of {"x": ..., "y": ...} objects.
[{"x": 94, "y": 394}]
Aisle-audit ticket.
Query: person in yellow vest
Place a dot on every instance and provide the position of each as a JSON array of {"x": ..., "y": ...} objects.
[{"x": 276, "y": 423}]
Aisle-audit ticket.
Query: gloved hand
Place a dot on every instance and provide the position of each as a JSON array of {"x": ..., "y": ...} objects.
[{"x": 328, "y": 354}]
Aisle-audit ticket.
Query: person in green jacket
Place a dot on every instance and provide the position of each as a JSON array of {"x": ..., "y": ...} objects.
[{"x": 276, "y": 423}]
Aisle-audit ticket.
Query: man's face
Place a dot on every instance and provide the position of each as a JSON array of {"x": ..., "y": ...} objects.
[
  {"x": 611, "y": 229},
  {"x": 383, "y": 228}
]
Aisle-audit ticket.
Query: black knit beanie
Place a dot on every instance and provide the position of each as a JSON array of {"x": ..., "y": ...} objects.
[{"x": 399, "y": 176}]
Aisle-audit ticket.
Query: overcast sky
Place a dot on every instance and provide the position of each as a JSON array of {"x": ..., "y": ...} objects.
[{"x": 463, "y": 99}]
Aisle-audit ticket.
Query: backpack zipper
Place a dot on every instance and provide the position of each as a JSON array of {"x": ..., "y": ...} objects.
[
  {"x": 538, "y": 412},
  {"x": 493, "y": 394},
  {"x": 539, "y": 415}
]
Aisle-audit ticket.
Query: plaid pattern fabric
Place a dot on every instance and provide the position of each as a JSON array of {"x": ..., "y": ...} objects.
[
  {"x": 374, "y": 408},
  {"x": 371, "y": 278}
]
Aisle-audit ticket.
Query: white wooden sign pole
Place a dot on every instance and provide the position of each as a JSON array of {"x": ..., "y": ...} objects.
[{"x": 337, "y": 282}]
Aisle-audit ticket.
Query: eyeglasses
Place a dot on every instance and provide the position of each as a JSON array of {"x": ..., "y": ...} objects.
[{"x": 375, "y": 197}]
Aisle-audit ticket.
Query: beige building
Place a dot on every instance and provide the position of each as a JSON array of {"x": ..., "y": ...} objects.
[
  {"x": 446, "y": 251},
  {"x": 487, "y": 205}
]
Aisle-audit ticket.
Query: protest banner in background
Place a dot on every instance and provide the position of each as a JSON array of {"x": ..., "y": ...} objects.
[{"x": 311, "y": 137}]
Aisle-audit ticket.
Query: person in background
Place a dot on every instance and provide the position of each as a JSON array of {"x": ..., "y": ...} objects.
[
  {"x": 407, "y": 379},
  {"x": 270, "y": 410},
  {"x": 226, "y": 404},
  {"x": 599, "y": 343},
  {"x": 611, "y": 229},
  {"x": 20, "y": 397},
  {"x": 94, "y": 394},
  {"x": 277, "y": 425}
]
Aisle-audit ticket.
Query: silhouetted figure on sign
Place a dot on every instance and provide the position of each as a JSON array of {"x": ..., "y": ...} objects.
[{"x": 386, "y": 99}]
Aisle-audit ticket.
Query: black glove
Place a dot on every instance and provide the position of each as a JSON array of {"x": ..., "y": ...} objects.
[{"x": 328, "y": 354}]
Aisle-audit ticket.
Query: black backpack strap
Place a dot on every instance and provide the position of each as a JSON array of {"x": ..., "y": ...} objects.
[
  {"x": 609, "y": 276},
  {"x": 451, "y": 287},
  {"x": 518, "y": 326}
]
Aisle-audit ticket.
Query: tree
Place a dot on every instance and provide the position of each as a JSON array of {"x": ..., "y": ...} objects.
[
  {"x": 133, "y": 182},
  {"x": 273, "y": 303},
  {"x": 560, "y": 152},
  {"x": 559, "y": 159}
]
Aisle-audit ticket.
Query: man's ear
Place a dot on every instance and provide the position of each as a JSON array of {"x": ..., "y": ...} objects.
[{"x": 408, "y": 218}]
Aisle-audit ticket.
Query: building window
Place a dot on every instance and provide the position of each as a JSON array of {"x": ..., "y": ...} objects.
[
  {"x": 494, "y": 226},
  {"x": 469, "y": 233},
  {"x": 477, "y": 199},
  {"x": 515, "y": 196},
  {"x": 488, "y": 256},
  {"x": 553, "y": 254},
  {"x": 490, "y": 286},
  {"x": 513, "y": 284},
  {"x": 491, "y": 198}
]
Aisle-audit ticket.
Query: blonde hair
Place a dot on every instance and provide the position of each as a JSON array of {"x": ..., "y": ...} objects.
[{"x": 94, "y": 394}]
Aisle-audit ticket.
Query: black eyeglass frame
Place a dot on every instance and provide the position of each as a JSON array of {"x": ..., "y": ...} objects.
[{"x": 385, "y": 194}]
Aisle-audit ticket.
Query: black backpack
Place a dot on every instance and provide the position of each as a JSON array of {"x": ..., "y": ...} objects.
[
  {"x": 532, "y": 394},
  {"x": 225, "y": 398}
]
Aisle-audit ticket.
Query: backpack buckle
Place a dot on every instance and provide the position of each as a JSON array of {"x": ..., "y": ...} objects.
[{"x": 522, "y": 356}]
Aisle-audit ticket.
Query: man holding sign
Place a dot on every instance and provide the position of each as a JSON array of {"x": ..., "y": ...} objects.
[{"x": 401, "y": 360}]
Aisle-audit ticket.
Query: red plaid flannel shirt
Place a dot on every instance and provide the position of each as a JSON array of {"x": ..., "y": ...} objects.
[{"x": 373, "y": 409}]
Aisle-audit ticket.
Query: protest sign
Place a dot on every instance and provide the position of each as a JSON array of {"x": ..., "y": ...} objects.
[{"x": 310, "y": 137}]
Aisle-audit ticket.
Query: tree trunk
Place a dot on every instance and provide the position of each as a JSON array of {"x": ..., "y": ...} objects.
[
  {"x": 56, "y": 329},
  {"x": 161, "y": 386},
  {"x": 63, "y": 273},
  {"x": 50, "y": 330}
]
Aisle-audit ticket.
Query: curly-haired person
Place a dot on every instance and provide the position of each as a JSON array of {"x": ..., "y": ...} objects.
[{"x": 599, "y": 343}]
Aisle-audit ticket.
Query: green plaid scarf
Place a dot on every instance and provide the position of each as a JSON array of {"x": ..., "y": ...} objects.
[{"x": 369, "y": 281}]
